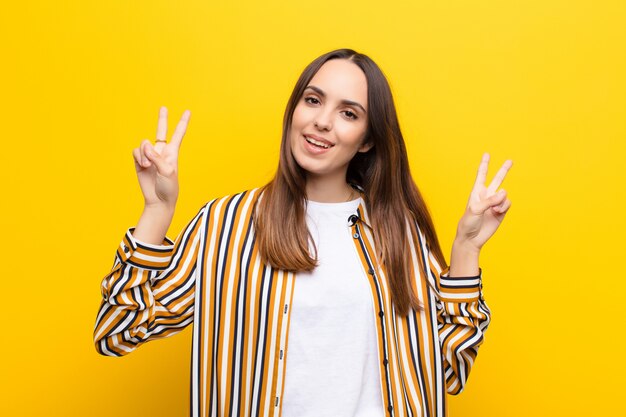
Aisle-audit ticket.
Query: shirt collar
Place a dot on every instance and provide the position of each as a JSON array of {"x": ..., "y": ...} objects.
[
  {"x": 361, "y": 211},
  {"x": 362, "y": 214}
]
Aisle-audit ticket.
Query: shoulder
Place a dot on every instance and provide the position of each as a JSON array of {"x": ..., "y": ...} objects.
[
  {"x": 237, "y": 204},
  {"x": 251, "y": 193}
]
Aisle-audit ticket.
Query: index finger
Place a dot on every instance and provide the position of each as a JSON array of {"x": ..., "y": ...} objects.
[{"x": 181, "y": 128}]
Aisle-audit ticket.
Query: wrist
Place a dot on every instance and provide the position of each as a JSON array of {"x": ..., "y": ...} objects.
[
  {"x": 465, "y": 246},
  {"x": 153, "y": 224},
  {"x": 159, "y": 209}
]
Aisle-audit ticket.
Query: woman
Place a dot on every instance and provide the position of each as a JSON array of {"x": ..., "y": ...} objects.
[{"x": 337, "y": 255}]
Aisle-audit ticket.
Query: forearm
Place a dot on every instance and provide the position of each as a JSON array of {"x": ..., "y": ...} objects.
[
  {"x": 463, "y": 316},
  {"x": 463, "y": 260},
  {"x": 132, "y": 310}
]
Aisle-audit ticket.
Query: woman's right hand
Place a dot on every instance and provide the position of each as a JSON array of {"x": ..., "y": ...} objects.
[{"x": 157, "y": 165}]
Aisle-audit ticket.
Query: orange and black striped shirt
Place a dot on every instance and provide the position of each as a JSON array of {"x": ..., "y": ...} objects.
[{"x": 213, "y": 276}]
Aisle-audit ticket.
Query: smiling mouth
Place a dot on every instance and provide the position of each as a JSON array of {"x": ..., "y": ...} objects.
[{"x": 318, "y": 143}]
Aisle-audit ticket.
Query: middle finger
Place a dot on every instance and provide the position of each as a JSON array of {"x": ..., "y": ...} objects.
[
  {"x": 497, "y": 180},
  {"x": 181, "y": 128}
]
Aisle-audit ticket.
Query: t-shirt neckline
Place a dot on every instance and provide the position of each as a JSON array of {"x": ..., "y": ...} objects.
[{"x": 342, "y": 205}]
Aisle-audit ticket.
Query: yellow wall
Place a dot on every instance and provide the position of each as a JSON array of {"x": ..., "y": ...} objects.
[{"x": 540, "y": 81}]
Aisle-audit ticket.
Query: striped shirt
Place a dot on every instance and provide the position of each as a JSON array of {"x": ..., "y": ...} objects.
[{"x": 213, "y": 276}]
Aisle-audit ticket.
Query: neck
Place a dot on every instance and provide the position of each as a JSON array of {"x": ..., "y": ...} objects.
[{"x": 327, "y": 189}]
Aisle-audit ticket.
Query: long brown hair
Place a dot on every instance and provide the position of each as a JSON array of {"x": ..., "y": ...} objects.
[{"x": 390, "y": 194}]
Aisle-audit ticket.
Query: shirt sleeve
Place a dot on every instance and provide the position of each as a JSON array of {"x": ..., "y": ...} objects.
[
  {"x": 149, "y": 293},
  {"x": 463, "y": 318}
]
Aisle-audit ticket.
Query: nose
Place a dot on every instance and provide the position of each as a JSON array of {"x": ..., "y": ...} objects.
[{"x": 323, "y": 121}]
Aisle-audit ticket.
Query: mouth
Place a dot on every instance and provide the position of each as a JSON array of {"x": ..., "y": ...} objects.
[{"x": 318, "y": 142}]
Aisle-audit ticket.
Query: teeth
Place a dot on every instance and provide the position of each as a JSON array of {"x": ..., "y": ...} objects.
[{"x": 318, "y": 143}]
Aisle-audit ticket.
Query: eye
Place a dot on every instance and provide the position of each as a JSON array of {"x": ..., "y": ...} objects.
[
  {"x": 350, "y": 115},
  {"x": 311, "y": 100}
]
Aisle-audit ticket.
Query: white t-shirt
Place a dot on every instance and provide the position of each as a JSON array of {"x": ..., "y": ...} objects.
[{"x": 332, "y": 365}]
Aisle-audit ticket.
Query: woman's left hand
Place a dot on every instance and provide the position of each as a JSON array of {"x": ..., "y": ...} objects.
[{"x": 486, "y": 208}]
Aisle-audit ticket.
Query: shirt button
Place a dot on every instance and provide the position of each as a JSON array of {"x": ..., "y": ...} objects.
[
  {"x": 380, "y": 314},
  {"x": 356, "y": 235},
  {"x": 371, "y": 271},
  {"x": 390, "y": 408},
  {"x": 385, "y": 362},
  {"x": 126, "y": 250},
  {"x": 353, "y": 219}
]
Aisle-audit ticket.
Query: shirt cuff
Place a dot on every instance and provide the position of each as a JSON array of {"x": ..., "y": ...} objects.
[
  {"x": 145, "y": 255},
  {"x": 461, "y": 289}
]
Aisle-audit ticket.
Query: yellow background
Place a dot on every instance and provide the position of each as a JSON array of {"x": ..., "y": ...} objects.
[{"x": 541, "y": 82}]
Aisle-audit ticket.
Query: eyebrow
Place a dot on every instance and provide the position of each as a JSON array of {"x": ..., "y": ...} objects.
[{"x": 344, "y": 101}]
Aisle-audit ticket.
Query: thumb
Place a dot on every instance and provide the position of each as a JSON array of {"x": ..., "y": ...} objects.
[{"x": 492, "y": 201}]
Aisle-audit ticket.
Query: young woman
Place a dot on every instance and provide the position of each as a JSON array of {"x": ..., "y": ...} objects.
[{"x": 323, "y": 293}]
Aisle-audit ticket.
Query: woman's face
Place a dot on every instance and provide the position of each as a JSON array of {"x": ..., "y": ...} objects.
[{"x": 330, "y": 120}]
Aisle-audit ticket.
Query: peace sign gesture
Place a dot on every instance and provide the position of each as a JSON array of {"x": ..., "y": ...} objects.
[
  {"x": 157, "y": 165},
  {"x": 486, "y": 208}
]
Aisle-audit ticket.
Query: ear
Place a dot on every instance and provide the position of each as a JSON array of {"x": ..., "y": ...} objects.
[{"x": 366, "y": 146}]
